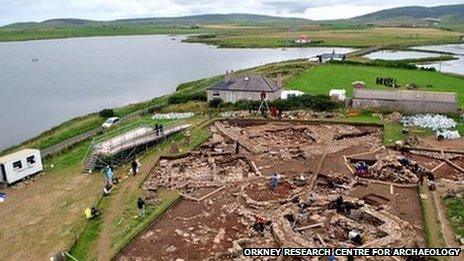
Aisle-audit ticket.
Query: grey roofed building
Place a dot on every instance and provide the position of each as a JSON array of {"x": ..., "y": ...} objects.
[
  {"x": 407, "y": 101},
  {"x": 247, "y": 87},
  {"x": 325, "y": 57}
]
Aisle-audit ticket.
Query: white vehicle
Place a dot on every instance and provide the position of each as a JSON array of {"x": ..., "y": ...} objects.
[{"x": 110, "y": 122}]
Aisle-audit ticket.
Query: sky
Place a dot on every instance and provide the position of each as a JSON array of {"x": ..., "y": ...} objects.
[{"x": 38, "y": 10}]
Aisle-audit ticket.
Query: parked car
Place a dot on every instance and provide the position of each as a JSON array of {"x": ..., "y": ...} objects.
[{"x": 110, "y": 122}]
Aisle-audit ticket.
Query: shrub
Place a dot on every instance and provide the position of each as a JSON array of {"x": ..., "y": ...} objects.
[
  {"x": 380, "y": 63},
  {"x": 153, "y": 109},
  {"x": 313, "y": 102},
  {"x": 107, "y": 113},
  {"x": 216, "y": 103},
  {"x": 186, "y": 97}
]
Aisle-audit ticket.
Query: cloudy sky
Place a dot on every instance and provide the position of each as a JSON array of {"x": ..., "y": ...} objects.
[{"x": 38, "y": 10}]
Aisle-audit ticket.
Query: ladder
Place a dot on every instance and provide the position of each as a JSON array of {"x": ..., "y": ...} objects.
[{"x": 90, "y": 163}]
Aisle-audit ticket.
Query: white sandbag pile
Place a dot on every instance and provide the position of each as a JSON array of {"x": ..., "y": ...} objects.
[
  {"x": 441, "y": 124},
  {"x": 173, "y": 115},
  {"x": 448, "y": 134},
  {"x": 430, "y": 121}
]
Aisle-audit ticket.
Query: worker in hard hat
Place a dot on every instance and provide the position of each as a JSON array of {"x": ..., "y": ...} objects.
[{"x": 91, "y": 213}]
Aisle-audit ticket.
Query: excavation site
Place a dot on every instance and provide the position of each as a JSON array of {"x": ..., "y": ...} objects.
[{"x": 259, "y": 183}]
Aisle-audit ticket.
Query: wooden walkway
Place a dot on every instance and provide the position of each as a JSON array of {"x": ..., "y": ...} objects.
[{"x": 134, "y": 138}]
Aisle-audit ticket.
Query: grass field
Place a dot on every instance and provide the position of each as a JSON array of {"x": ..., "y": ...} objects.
[
  {"x": 44, "y": 217},
  {"x": 455, "y": 212},
  {"x": 242, "y": 36},
  {"x": 365, "y": 37},
  {"x": 89, "y": 31},
  {"x": 321, "y": 79}
]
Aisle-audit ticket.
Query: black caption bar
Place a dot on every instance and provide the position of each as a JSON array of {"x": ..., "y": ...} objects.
[{"x": 351, "y": 251}]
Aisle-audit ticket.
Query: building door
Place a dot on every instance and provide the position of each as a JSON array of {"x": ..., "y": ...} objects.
[{"x": 2, "y": 173}]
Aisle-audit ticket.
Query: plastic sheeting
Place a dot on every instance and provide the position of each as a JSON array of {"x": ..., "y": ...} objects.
[
  {"x": 441, "y": 124},
  {"x": 430, "y": 121},
  {"x": 173, "y": 115},
  {"x": 448, "y": 135}
]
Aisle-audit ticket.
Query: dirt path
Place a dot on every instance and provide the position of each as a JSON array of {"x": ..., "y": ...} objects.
[
  {"x": 116, "y": 207},
  {"x": 47, "y": 212}
]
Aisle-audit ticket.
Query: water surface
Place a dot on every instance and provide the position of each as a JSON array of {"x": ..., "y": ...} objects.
[
  {"x": 453, "y": 66},
  {"x": 400, "y": 55},
  {"x": 43, "y": 83}
]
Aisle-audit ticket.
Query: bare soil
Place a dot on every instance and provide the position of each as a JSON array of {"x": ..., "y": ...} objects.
[
  {"x": 188, "y": 230},
  {"x": 404, "y": 202}
]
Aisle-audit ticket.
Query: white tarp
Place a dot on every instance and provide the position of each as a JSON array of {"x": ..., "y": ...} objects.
[
  {"x": 448, "y": 135},
  {"x": 290, "y": 93},
  {"x": 339, "y": 94},
  {"x": 173, "y": 115},
  {"x": 441, "y": 124}
]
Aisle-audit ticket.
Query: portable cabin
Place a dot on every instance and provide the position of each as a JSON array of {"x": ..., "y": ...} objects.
[{"x": 20, "y": 164}]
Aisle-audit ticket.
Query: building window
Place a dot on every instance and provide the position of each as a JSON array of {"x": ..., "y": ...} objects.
[
  {"x": 30, "y": 160},
  {"x": 17, "y": 165},
  {"x": 216, "y": 94}
]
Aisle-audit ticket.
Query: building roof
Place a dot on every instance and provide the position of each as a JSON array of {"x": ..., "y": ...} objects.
[
  {"x": 17, "y": 155},
  {"x": 332, "y": 56},
  {"x": 252, "y": 83},
  {"x": 403, "y": 95}
]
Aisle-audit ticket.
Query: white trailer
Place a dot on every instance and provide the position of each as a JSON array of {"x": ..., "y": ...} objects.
[{"x": 20, "y": 164}]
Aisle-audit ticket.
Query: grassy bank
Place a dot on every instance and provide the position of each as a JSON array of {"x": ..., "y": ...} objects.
[
  {"x": 237, "y": 35},
  {"x": 363, "y": 37},
  {"x": 85, "y": 246},
  {"x": 321, "y": 79},
  {"x": 28, "y": 34},
  {"x": 454, "y": 207},
  {"x": 432, "y": 225}
]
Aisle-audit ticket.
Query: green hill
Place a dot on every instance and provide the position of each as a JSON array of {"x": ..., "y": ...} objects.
[
  {"x": 239, "y": 19},
  {"x": 446, "y": 14}
]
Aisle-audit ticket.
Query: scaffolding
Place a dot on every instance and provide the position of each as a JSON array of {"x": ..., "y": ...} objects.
[{"x": 117, "y": 149}]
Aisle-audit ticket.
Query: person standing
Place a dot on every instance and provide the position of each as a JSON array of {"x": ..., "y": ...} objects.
[
  {"x": 141, "y": 207},
  {"x": 109, "y": 175},
  {"x": 135, "y": 167},
  {"x": 275, "y": 179}
]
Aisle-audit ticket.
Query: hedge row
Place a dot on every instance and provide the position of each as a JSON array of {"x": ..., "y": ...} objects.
[
  {"x": 386, "y": 63},
  {"x": 186, "y": 97},
  {"x": 313, "y": 102}
]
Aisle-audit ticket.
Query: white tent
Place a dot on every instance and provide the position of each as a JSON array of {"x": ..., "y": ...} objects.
[
  {"x": 290, "y": 93},
  {"x": 339, "y": 94}
]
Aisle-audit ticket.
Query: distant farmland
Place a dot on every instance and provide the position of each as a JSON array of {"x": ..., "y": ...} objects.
[{"x": 360, "y": 37}]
